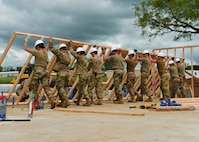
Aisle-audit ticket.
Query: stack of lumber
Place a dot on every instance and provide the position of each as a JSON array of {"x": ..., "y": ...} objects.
[{"x": 187, "y": 104}]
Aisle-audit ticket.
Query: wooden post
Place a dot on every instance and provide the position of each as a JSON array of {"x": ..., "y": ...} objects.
[
  {"x": 192, "y": 79},
  {"x": 7, "y": 48}
]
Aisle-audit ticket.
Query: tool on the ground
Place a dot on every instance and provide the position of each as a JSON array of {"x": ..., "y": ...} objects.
[{"x": 144, "y": 106}]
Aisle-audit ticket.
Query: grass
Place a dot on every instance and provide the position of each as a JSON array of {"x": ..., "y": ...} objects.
[{"x": 6, "y": 80}]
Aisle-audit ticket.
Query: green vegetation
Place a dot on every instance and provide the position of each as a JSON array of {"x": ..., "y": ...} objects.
[
  {"x": 6, "y": 80},
  {"x": 195, "y": 67},
  {"x": 161, "y": 17}
]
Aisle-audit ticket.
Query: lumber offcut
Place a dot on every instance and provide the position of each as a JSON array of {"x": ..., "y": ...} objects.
[
  {"x": 188, "y": 102},
  {"x": 99, "y": 112},
  {"x": 172, "y": 108}
]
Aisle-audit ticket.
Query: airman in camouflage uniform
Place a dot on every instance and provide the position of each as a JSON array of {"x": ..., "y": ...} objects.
[
  {"x": 96, "y": 77},
  {"x": 40, "y": 74},
  {"x": 62, "y": 69},
  {"x": 164, "y": 76},
  {"x": 26, "y": 93},
  {"x": 131, "y": 63},
  {"x": 175, "y": 80},
  {"x": 82, "y": 72},
  {"x": 117, "y": 64},
  {"x": 145, "y": 70},
  {"x": 181, "y": 72}
]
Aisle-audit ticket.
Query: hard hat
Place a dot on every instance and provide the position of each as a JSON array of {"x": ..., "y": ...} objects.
[
  {"x": 62, "y": 46},
  {"x": 171, "y": 62},
  {"x": 145, "y": 52},
  {"x": 79, "y": 49},
  {"x": 39, "y": 42},
  {"x": 177, "y": 59},
  {"x": 160, "y": 54},
  {"x": 131, "y": 53},
  {"x": 113, "y": 49},
  {"x": 93, "y": 50}
]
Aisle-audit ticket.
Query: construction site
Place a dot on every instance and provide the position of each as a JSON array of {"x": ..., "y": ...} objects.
[{"x": 110, "y": 122}]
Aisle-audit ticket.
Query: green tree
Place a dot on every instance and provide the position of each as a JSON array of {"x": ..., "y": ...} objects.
[
  {"x": 106, "y": 66},
  {"x": 160, "y": 17},
  {"x": 1, "y": 68}
]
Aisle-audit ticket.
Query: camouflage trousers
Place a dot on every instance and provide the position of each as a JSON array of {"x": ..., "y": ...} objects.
[
  {"x": 174, "y": 88},
  {"x": 130, "y": 83},
  {"x": 82, "y": 91},
  {"x": 20, "y": 88},
  {"x": 143, "y": 85},
  {"x": 117, "y": 79},
  {"x": 164, "y": 85},
  {"x": 40, "y": 77},
  {"x": 62, "y": 83},
  {"x": 181, "y": 86},
  {"x": 95, "y": 81}
]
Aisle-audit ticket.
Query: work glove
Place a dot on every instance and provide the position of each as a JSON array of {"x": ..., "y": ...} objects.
[
  {"x": 27, "y": 37},
  {"x": 103, "y": 50}
]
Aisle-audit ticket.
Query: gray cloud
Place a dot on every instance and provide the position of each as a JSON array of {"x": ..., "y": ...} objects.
[{"x": 102, "y": 22}]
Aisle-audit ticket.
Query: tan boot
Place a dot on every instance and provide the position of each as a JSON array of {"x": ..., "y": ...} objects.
[
  {"x": 64, "y": 103},
  {"x": 150, "y": 99},
  {"x": 77, "y": 101},
  {"x": 87, "y": 103},
  {"x": 132, "y": 100},
  {"x": 163, "y": 98},
  {"x": 139, "y": 98},
  {"x": 118, "y": 101},
  {"x": 92, "y": 100},
  {"x": 53, "y": 104},
  {"x": 60, "y": 104},
  {"x": 99, "y": 102}
]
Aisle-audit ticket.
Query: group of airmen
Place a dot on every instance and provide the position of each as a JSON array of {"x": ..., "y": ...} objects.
[{"x": 89, "y": 72}]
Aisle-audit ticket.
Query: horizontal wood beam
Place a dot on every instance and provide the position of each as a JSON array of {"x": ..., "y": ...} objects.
[{"x": 97, "y": 111}]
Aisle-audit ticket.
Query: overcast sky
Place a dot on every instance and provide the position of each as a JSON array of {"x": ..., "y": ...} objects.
[{"x": 105, "y": 22}]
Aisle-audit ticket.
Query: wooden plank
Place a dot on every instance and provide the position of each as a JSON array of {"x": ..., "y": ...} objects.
[
  {"x": 98, "y": 112},
  {"x": 7, "y": 48},
  {"x": 172, "y": 108},
  {"x": 59, "y": 39},
  {"x": 185, "y": 100}
]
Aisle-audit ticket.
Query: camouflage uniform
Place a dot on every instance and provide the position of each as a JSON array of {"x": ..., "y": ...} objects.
[
  {"x": 116, "y": 62},
  {"x": 131, "y": 77},
  {"x": 81, "y": 71},
  {"x": 40, "y": 74},
  {"x": 26, "y": 93},
  {"x": 175, "y": 81},
  {"x": 62, "y": 69},
  {"x": 96, "y": 77},
  {"x": 164, "y": 76},
  {"x": 181, "y": 73},
  {"x": 145, "y": 70}
]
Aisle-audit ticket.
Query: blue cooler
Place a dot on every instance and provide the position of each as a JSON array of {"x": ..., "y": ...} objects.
[{"x": 2, "y": 108}]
